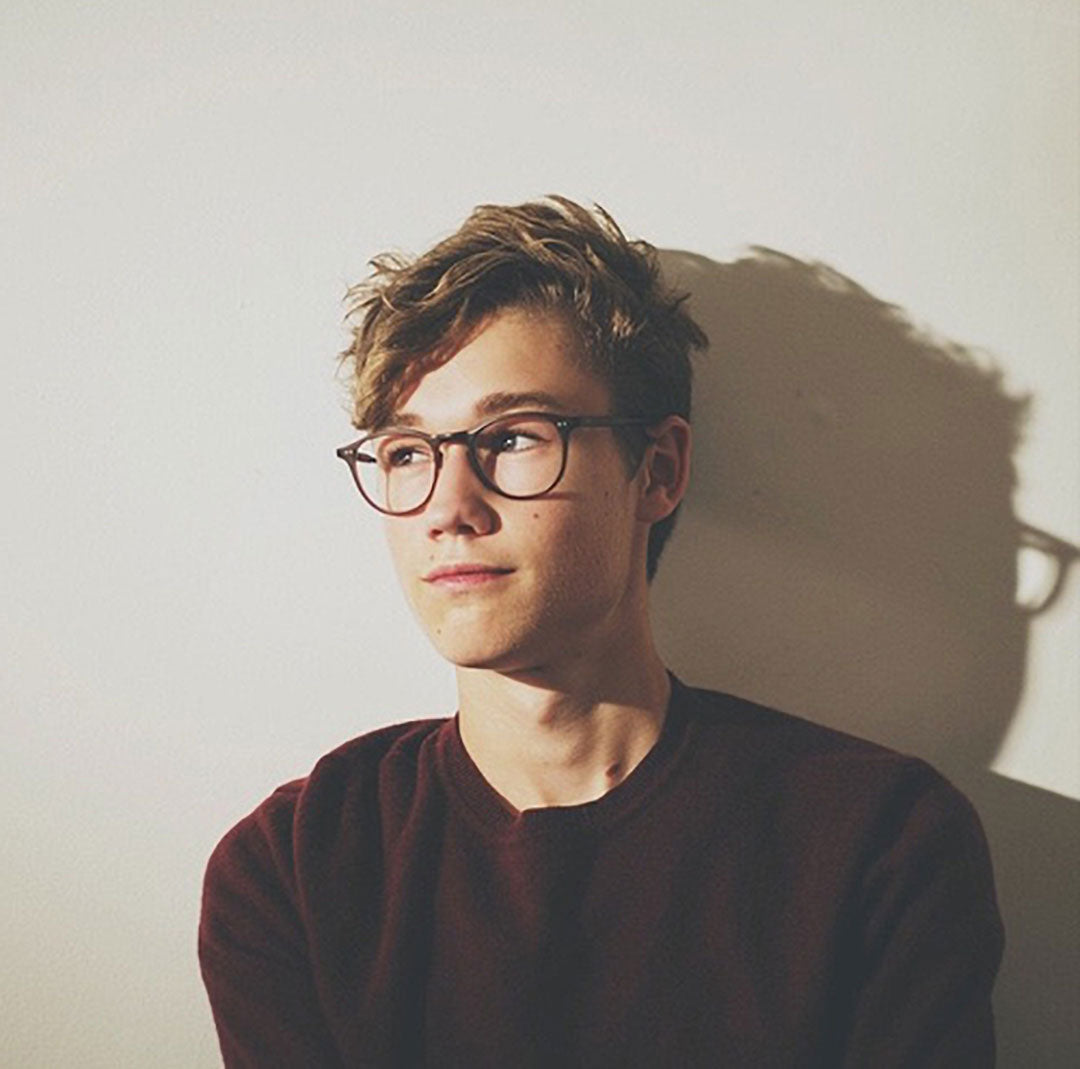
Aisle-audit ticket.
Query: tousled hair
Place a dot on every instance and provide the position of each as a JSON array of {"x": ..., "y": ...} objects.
[{"x": 553, "y": 255}]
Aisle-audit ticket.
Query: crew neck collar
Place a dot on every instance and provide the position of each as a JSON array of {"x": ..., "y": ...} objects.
[{"x": 493, "y": 815}]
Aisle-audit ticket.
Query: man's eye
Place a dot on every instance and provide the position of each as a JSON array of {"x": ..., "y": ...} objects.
[
  {"x": 398, "y": 458},
  {"x": 515, "y": 440},
  {"x": 404, "y": 456}
]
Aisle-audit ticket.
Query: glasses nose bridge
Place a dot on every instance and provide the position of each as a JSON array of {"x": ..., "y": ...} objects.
[
  {"x": 439, "y": 441},
  {"x": 451, "y": 438},
  {"x": 465, "y": 438}
]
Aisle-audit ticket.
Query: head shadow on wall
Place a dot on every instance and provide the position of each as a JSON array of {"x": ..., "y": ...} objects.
[{"x": 848, "y": 550}]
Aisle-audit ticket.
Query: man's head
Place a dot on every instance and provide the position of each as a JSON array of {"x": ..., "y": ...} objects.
[{"x": 550, "y": 256}]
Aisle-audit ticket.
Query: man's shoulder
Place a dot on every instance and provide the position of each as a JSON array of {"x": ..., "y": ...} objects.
[
  {"x": 392, "y": 745},
  {"x": 742, "y": 721},
  {"x": 815, "y": 788},
  {"x": 344, "y": 782},
  {"x": 801, "y": 758}
]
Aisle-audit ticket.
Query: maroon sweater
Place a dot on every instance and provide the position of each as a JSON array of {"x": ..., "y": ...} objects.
[{"x": 759, "y": 892}]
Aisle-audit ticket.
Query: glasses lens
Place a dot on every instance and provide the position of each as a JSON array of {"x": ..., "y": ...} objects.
[
  {"x": 395, "y": 471},
  {"x": 521, "y": 455}
]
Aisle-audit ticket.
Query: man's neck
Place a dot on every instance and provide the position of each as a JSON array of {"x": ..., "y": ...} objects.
[{"x": 567, "y": 736}]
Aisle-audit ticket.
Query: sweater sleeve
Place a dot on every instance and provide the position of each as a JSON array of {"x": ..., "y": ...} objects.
[
  {"x": 253, "y": 951},
  {"x": 931, "y": 939}
]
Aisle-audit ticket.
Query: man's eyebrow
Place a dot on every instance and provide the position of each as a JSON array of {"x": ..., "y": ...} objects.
[{"x": 494, "y": 404}]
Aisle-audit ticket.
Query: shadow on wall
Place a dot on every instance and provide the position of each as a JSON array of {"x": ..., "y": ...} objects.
[{"x": 849, "y": 553}]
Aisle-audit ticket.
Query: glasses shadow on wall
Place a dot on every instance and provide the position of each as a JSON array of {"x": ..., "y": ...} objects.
[{"x": 848, "y": 552}]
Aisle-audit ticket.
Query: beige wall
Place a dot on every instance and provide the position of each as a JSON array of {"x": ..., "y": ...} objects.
[{"x": 196, "y": 605}]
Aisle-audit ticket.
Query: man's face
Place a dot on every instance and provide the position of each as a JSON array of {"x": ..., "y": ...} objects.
[{"x": 567, "y": 568}]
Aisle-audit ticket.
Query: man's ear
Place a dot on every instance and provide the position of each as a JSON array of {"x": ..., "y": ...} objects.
[{"x": 665, "y": 469}]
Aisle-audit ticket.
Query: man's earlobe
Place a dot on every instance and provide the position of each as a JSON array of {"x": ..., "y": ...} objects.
[{"x": 666, "y": 469}]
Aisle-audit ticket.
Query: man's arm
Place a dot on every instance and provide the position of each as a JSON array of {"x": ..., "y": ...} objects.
[
  {"x": 931, "y": 941},
  {"x": 253, "y": 952}
]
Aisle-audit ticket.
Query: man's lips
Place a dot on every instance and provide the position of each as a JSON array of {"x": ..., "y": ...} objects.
[{"x": 465, "y": 574}]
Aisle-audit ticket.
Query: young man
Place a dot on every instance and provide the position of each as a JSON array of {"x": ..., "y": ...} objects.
[{"x": 591, "y": 864}]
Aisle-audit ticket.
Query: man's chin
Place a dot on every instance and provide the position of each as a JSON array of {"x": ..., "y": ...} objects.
[
  {"x": 479, "y": 661},
  {"x": 488, "y": 657}
]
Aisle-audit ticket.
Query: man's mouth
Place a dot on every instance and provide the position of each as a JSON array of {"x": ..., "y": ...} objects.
[{"x": 465, "y": 575}]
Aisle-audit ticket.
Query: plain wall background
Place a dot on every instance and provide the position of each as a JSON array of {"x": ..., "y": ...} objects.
[{"x": 196, "y": 604}]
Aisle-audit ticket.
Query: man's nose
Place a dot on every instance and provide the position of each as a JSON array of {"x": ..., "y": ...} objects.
[{"x": 460, "y": 502}]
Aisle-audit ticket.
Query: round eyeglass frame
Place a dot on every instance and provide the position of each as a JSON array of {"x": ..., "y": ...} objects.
[{"x": 565, "y": 425}]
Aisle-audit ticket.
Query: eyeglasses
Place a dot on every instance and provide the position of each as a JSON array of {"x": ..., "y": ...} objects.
[{"x": 519, "y": 455}]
